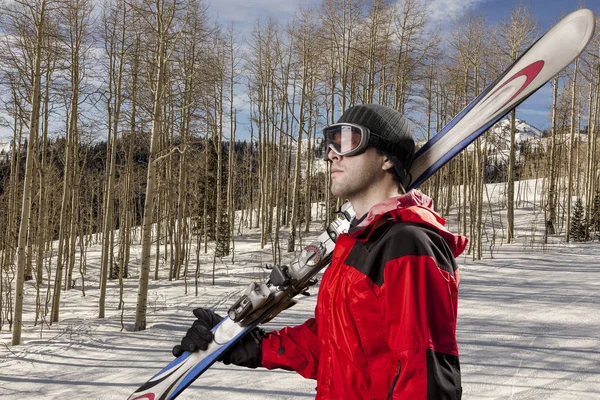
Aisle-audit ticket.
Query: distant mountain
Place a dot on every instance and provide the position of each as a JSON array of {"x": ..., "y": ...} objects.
[
  {"x": 499, "y": 134},
  {"x": 497, "y": 140}
]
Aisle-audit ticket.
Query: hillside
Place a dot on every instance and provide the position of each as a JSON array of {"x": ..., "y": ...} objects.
[
  {"x": 497, "y": 139},
  {"x": 528, "y": 326}
]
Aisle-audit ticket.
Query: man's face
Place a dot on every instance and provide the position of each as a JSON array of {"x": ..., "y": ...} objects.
[{"x": 352, "y": 177}]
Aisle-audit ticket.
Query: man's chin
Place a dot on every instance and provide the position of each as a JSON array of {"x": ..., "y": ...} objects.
[{"x": 338, "y": 192}]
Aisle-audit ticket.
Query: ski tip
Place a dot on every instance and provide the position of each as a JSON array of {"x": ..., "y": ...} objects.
[
  {"x": 586, "y": 11},
  {"x": 582, "y": 21},
  {"x": 582, "y": 13}
]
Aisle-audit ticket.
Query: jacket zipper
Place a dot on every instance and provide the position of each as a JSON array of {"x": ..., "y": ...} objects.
[{"x": 391, "y": 392}]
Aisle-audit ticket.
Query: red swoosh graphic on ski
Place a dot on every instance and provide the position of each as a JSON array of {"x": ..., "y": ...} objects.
[
  {"x": 530, "y": 72},
  {"x": 149, "y": 396}
]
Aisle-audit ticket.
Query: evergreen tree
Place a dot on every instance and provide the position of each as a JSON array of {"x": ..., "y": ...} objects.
[
  {"x": 579, "y": 230},
  {"x": 595, "y": 213},
  {"x": 223, "y": 237}
]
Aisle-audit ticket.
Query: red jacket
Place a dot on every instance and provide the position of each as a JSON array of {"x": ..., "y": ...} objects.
[{"x": 385, "y": 319}]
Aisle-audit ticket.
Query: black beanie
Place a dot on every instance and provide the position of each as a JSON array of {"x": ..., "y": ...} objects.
[{"x": 392, "y": 134}]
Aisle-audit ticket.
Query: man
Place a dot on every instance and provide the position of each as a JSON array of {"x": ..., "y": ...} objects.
[{"x": 385, "y": 320}]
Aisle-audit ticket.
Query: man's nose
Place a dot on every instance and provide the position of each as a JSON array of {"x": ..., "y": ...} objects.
[{"x": 332, "y": 155}]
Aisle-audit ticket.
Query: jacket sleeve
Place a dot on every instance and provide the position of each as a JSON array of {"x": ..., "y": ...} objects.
[
  {"x": 421, "y": 299},
  {"x": 293, "y": 349}
]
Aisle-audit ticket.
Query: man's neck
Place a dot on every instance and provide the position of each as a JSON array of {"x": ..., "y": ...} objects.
[{"x": 363, "y": 203}]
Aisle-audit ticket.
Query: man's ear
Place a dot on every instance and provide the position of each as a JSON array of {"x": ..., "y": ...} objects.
[{"x": 387, "y": 164}]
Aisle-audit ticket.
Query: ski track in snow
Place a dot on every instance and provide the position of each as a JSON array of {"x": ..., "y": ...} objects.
[{"x": 528, "y": 328}]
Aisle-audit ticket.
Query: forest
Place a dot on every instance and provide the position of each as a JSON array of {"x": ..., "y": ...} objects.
[{"x": 150, "y": 122}]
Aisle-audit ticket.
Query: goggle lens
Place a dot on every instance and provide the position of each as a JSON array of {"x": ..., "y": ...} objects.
[{"x": 343, "y": 139}]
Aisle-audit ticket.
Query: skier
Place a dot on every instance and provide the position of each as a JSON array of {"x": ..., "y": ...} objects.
[{"x": 385, "y": 319}]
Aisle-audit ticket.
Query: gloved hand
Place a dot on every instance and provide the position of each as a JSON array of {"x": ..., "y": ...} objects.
[{"x": 246, "y": 352}]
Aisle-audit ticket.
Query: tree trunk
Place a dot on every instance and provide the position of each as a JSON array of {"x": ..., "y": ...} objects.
[
  {"x": 550, "y": 210},
  {"x": 151, "y": 180},
  {"x": 31, "y": 154},
  {"x": 572, "y": 147}
]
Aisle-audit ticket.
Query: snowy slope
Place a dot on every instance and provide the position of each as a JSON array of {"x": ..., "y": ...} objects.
[
  {"x": 529, "y": 328},
  {"x": 524, "y": 132},
  {"x": 497, "y": 139}
]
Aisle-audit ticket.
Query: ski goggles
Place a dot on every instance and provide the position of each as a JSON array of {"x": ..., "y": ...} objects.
[{"x": 346, "y": 139}]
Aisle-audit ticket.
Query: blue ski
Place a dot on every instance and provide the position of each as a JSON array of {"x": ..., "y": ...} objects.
[{"x": 545, "y": 58}]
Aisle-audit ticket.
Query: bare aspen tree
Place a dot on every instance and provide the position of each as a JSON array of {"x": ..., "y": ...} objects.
[
  {"x": 593, "y": 62},
  {"x": 550, "y": 209},
  {"x": 430, "y": 89},
  {"x": 179, "y": 222},
  {"x": 233, "y": 80},
  {"x": 588, "y": 156},
  {"x": 578, "y": 110},
  {"x": 340, "y": 18},
  {"x": 37, "y": 14},
  {"x": 10, "y": 234},
  {"x": 74, "y": 16},
  {"x": 273, "y": 117},
  {"x": 206, "y": 194},
  {"x": 164, "y": 14},
  {"x": 414, "y": 41},
  {"x": 377, "y": 37},
  {"x": 573, "y": 145},
  {"x": 311, "y": 132},
  {"x": 470, "y": 44},
  {"x": 250, "y": 170},
  {"x": 114, "y": 32},
  {"x": 514, "y": 36},
  {"x": 480, "y": 164},
  {"x": 19, "y": 48},
  {"x": 449, "y": 87},
  {"x": 304, "y": 79},
  {"x": 279, "y": 136},
  {"x": 222, "y": 246},
  {"x": 43, "y": 199},
  {"x": 190, "y": 42},
  {"x": 467, "y": 38},
  {"x": 430, "y": 93},
  {"x": 127, "y": 201},
  {"x": 277, "y": 102},
  {"x": 314, "y": 62},
  {"x": 263, "y": 62}
]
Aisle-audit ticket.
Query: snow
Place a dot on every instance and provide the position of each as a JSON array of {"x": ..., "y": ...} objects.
[
  {"x": 528, "y": 324},
  {"x": 499, "y": 134},
  {"x": 523, "y": 131},
  {"x": 498, "y": 137},
  {"x": 528, "y": 327}
]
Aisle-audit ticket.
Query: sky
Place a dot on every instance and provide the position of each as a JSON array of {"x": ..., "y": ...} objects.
[
  {"x": 547, "y": 12},
  {"x": 535, "y": 110}
]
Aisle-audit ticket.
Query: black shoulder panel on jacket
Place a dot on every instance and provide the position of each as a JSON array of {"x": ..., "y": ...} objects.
[{"x": 395, "y": 240}]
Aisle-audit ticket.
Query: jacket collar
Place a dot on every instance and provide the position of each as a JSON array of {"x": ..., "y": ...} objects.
[{"x": 413, "y": 206}]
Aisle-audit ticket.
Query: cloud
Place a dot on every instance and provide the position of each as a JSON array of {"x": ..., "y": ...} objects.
[
  {"x": 534, "y": 112},
  {"x": 449, "y": 10},
  {"x": 245, "y": 12}
]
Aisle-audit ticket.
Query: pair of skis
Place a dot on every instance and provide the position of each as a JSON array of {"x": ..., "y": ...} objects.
[{"x": 262, "y": 301}]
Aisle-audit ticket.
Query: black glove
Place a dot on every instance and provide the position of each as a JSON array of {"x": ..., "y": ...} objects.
[{"x": 246, "y": 352}]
